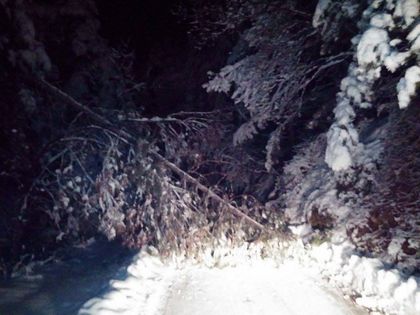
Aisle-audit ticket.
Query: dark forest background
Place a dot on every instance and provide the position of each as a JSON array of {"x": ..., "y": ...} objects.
[{"x": 238, "y": 94}]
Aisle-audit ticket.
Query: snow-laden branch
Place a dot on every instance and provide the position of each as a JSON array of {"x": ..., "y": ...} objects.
[{"x": 375, "y": 48}]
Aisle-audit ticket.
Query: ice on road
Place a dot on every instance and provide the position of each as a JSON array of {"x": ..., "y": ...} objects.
[{"x": 261, "y": 289}]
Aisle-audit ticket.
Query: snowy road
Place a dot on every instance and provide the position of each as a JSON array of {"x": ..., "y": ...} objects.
[
  {"x": 247, "y": 288},
  {"x": 104, "y": 279},
  {"x": 261, "y": 290}
]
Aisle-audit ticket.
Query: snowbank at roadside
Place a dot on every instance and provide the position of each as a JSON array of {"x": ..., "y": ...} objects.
[{"x": 368, "y": 280}]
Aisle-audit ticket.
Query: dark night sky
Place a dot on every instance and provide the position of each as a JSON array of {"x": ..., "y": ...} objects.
[
  {"x": 144, "y": 23},
  {"x": 165, "y": 57}
]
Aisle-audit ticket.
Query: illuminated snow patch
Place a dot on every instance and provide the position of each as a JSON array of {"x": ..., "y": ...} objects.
[
  {"x": 261, "y": 288},
  {"x": 224, "y": 282}
]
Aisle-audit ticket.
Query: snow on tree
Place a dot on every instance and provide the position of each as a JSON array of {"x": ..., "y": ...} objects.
[
  {"x": 320, "y": 163},
  {"x": 271, "y": 81},
  {"x": 385, "y": 49},
  {"x": 374, "y": 48},
  {"x": 408, "y": 86}
]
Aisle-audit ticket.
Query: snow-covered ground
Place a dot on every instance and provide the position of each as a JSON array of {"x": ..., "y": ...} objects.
[
  {"x": 225, "y": 283},
  {"x": 260, "y": 289},
  {"x": 270, "y": 278},
  {"x": 63, "y": 286},
  {"x": 371, "y": 283}
]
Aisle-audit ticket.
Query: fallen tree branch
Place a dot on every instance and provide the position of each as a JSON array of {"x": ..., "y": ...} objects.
[
  {"x": 206, "y": 190},
  {"x": 58, "y": 94}
]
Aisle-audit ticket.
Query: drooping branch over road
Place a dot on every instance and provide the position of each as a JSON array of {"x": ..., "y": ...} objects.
[{"x": 61, "y": 96}]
